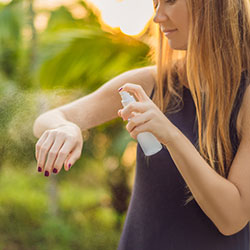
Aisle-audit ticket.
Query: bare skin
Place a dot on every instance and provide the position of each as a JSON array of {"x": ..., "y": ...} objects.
[
  {"x": 60, "y": 130},
  {"x": 173, "y": 15},
  {"x": 62, "y": 143}
]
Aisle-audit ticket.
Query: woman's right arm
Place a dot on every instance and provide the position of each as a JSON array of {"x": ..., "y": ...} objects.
[{"x": 60, "y": 129}]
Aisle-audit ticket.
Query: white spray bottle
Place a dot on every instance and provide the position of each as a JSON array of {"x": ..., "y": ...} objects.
[{"x": 148, "y": 142}]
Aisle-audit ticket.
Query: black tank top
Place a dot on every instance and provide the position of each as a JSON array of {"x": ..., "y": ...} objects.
[{"x": 157, "y": 218}]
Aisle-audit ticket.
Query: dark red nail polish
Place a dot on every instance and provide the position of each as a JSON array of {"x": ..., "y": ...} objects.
[
  {"x": 46, "y": 173},
  {"x": 69, "y": 165},
  {"x": 120, "y": 89},
  {"x": 54, "y": 170},
  {"x": 39, "y": 169}
]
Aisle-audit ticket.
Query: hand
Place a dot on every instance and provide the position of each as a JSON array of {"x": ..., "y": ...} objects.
[
  {"x": 61, "y": 145},
  {"x": 145, "y": 116}
]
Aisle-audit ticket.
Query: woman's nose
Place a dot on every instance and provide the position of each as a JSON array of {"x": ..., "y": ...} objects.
[{"x": 160, "y": 16}]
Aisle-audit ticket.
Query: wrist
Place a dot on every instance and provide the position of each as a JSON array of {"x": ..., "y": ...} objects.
[
  {"x": 68, "y": 123},
  {"x": 84, "y": 133},
  {"x": 173, "y": 135}
]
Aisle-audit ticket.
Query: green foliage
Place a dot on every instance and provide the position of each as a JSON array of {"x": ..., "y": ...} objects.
[
  {"x": 90, "y": 201},
  {"x": 81, "y": 55},
  {"x": 26, "y": 223},
  {"x": 17, "y": 113},
  {"x": 11, "y": 18}
]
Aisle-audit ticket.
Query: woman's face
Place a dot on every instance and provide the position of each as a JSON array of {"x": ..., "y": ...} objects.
[{"x": 173, "y": 15}]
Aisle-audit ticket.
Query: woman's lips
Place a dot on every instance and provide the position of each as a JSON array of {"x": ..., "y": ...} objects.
[{"x": 169, "y": 32}]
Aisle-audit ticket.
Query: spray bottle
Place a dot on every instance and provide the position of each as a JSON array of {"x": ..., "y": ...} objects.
[{"x": 148, "y": 142}]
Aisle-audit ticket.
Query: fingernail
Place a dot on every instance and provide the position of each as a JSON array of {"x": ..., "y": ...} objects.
[
  {"x": 54, "y": 170},
  {"x": 39, "y": 169},
  {"x": 120, "y": 89},
  {"x": 69, "y": 165},
  {"x": 46, "y": 173}
]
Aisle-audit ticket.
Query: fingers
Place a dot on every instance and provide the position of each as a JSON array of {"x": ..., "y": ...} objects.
[
  {"x": 72, "y": 158},
  {"x": 137, "y": 121},
  {"x": 40, "y": 142},
  {"x": 137, "y": 90},
  {"x": 140, "y": 123},
  {"x": 137, "y": 107},
  {"x": 139, "y": 129},
  {"x": 54, "y": 155},
  {"x": 43, "y": 147},
  {"x": 56, "y": 148},
  {"x": 55, "y": 163},
  {"x": 141, "y": 106}
]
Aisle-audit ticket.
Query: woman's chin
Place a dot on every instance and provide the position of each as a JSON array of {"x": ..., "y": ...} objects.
[{"x": 175, "y": 46}]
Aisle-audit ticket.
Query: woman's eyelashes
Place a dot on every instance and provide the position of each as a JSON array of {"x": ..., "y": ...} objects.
[{"x": 155, "y": 4}]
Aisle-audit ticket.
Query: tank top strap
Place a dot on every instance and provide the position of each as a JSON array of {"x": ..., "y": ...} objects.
[
  {"x": 235, "y": 111},
  {"x": 152, "y": 93}
]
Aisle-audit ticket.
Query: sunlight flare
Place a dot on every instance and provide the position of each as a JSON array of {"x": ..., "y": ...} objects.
[{"x": 128, "y": 15}]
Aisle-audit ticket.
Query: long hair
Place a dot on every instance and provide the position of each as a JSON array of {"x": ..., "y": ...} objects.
[{"x": 218, "y": 51}]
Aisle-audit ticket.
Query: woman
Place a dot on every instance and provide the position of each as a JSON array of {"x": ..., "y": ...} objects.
[{"x": 198, "y": 110}]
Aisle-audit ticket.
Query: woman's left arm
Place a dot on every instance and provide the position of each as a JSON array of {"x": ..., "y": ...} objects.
[{"x": 225, "y": 201}]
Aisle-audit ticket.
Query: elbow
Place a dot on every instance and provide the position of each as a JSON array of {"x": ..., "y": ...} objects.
[
  {"x": 234, "y": 220},
  {"x": 233, "y": 227},
  {"x": 230, "y": 232}
]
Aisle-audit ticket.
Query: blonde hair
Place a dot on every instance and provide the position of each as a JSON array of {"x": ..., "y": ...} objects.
[{"x": 218, "y": 52}]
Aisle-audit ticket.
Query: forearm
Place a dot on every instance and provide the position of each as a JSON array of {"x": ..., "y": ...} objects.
[
  {"x": 49, "y": 120},
  {"x": 98, "y": 107},
  {"x": 218, "y": 197}
]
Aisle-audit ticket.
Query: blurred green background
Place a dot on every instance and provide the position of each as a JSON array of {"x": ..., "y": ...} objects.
[{"x": 43, "y": 68}]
